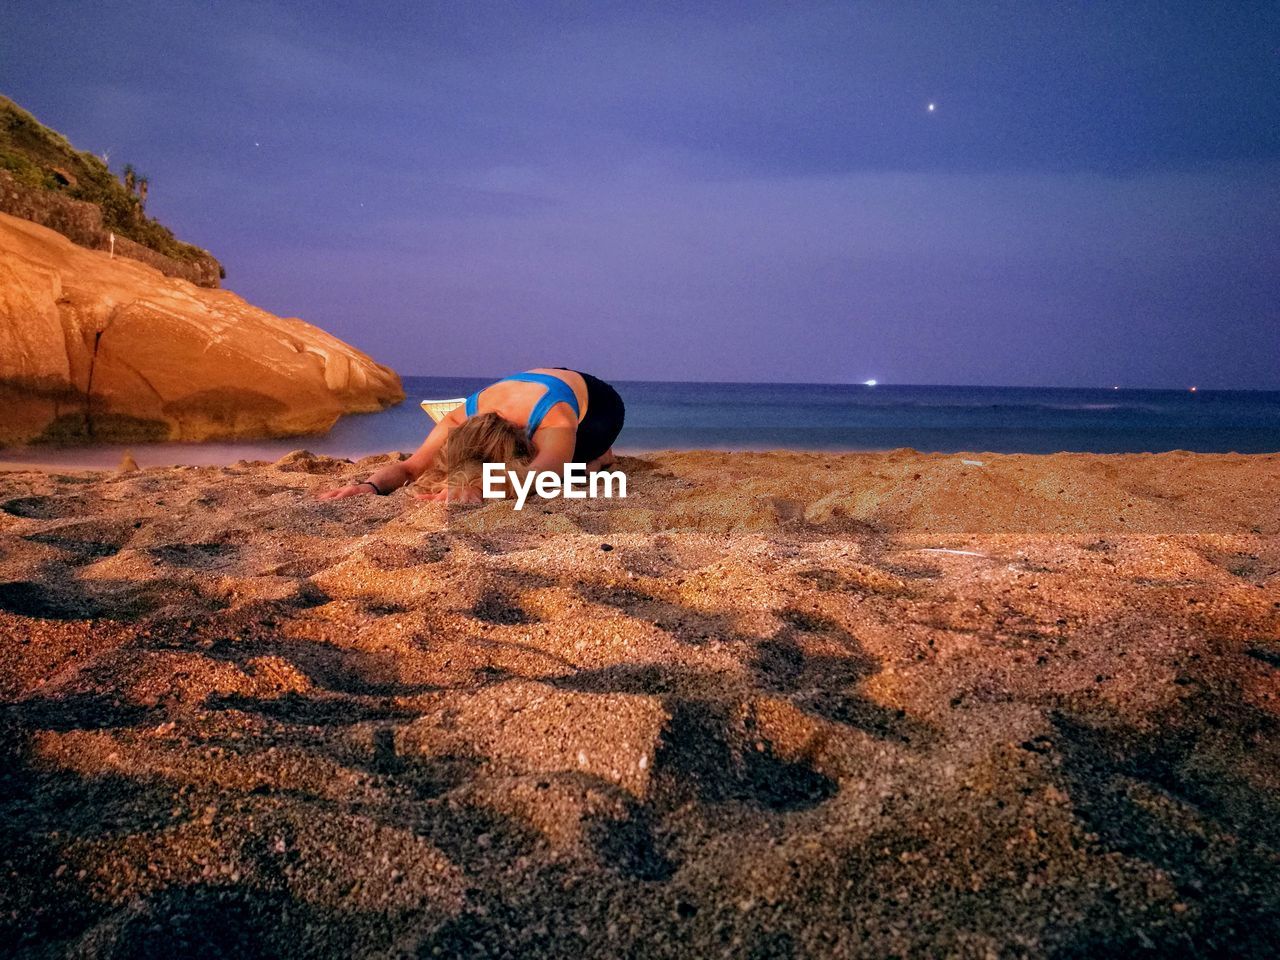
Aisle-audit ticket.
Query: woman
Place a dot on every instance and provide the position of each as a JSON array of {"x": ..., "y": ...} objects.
[{"x": 537, "y": 420}]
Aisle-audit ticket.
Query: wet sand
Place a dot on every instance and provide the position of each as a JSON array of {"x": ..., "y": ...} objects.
[{"x": 770, "y": 705}]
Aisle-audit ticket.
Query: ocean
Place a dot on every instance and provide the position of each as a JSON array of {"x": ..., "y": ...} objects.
[{"x": 761, "y": 416}]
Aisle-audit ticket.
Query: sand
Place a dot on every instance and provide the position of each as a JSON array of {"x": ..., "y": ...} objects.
[{"x": 770, "y": 705}]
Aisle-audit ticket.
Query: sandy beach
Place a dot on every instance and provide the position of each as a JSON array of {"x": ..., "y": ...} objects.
[{"x": 769, "y": 705}]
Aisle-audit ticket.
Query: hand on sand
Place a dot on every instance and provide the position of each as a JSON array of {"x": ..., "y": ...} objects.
[
  {"x": 465, "y": 495},
  {"x": 341, "y": 493}
]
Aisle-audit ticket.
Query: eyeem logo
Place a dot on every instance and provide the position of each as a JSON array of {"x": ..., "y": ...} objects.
[{"x": 573, "y": 484}]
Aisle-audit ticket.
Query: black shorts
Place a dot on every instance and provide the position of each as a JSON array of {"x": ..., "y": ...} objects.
[{"x": 600, "y": 427}]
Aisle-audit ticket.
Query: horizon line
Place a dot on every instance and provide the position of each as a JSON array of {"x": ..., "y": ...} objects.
[{"x": 1191, "y": 388}]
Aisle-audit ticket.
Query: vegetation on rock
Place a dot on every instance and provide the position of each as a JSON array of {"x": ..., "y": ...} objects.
[{"x": 44, "y": 159}]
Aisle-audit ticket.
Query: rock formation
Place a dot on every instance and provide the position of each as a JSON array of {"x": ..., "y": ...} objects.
[
  {"x": 82, "y": 222},
  {"x": 43, "y": 178},
  {"x": 96, "y": 348}
]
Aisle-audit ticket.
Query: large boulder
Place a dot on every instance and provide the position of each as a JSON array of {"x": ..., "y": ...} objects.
[{"x": 96, "y": 348}]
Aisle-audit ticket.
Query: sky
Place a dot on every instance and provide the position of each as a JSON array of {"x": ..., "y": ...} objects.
[{"x": 718, "y": 191}]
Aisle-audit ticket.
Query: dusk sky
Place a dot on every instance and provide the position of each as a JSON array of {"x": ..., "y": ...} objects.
[{"x": 742, "y": 191}]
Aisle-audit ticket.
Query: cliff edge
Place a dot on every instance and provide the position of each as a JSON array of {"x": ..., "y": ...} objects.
[
  {"x": 102, "y": 348},
  {"x": 46, "y": 180}
]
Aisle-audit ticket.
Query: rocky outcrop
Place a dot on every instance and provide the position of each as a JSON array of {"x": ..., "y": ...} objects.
[
  {"x": 96, "y": 348},
  {"x": 81, "y": 222}
]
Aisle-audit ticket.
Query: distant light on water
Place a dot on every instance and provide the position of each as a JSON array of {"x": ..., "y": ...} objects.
[{"x": 868, "y": 383}]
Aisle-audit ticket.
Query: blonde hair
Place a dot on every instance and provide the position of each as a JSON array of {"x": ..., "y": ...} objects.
[{"x": 484, "y": 438}]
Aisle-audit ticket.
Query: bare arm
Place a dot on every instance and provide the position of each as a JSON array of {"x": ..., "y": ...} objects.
[
  {"x": 555, "y": 447},
  {"x": 393, "y": 476},
  {"x": 556, "y": 437}
]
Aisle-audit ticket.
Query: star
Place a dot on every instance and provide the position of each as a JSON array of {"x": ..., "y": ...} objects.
[{"x": 932, "y": 107}]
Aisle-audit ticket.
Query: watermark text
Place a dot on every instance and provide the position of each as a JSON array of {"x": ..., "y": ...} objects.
[{"x": 573, "y": 482}]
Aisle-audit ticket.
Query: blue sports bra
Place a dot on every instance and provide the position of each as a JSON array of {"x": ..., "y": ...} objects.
[{"x": 557, "y": 392}]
